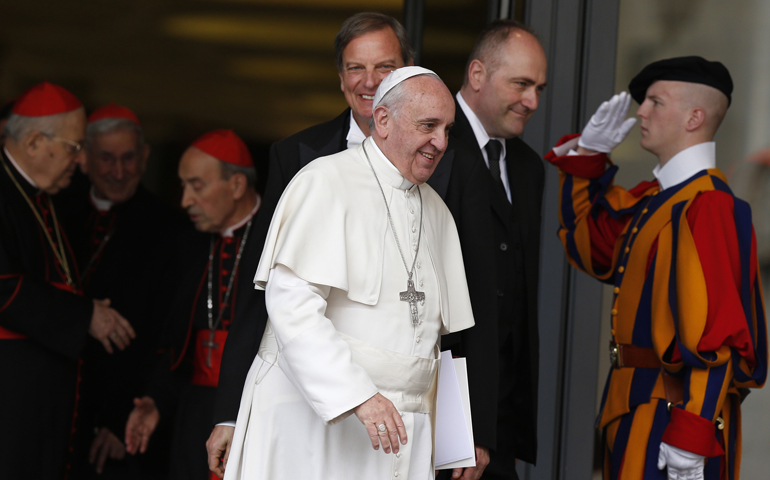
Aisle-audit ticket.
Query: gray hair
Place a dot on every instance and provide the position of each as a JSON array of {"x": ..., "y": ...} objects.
[
  {"x": 229, "y": 169},
  {"x": 108, "y": 125},
  {"x": 396, "y": 97},
  {"x": 19, "y": 126},
  {"x": 366, "y": 22}
]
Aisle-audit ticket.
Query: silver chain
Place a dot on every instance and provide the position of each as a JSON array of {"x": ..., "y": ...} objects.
[
  {"x": 210, "y": 302},
  {"x": 390, "y": 219}
]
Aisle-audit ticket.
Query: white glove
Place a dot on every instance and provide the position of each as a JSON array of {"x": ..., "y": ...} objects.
[
  {"x": 609, "y": 125},
  {"x": 682, "y": 465}
]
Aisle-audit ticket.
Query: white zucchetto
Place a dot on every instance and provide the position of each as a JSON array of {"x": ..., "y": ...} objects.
[{"x": 394, "y": 78}]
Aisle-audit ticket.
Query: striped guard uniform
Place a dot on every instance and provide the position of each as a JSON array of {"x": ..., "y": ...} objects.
[{"x": 686, "y": 285}]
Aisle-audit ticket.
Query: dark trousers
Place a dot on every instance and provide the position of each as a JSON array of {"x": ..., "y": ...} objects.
[
  {"x": 494, "y": 471},
  {"x": 501, "y": 467},
  {"x": 189, "y": 458}
]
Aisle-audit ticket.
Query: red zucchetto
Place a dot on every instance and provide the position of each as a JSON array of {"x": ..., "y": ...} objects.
[
  {"x": 113, "y": 111},
  {"x": 226, "y": 146},
  {"x": 45, "y": 99}
]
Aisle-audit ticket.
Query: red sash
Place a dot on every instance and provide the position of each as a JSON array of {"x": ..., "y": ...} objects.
[
  {"x": 6, "y": 334},
  {"x": 208, "y": 357}
]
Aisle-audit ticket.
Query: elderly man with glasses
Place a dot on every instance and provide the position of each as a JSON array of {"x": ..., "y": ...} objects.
[{"x": 44, "y": 319}]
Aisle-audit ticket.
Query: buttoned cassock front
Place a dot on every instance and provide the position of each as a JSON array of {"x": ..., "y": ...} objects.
[
  {"x": 127, "y": 257},
  {"x": 335, "y": 275},
  {"x": 43, "y": 327}
]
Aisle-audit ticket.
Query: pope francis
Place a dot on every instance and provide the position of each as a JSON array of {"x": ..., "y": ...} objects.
[{"x": 362, "y": 272}]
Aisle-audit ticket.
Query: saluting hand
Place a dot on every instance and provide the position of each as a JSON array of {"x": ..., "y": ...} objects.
[
  {"x": 107, "y": 325},
  {"x": 378, "y": 411},
  {"x": 609, "y": 125},
  {"x": 141, "y": 423}
]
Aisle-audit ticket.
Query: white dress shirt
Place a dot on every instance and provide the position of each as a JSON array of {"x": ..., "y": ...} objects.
[
  {"x": 355, "y": 134},
  {"x": 483, "y": 138}
]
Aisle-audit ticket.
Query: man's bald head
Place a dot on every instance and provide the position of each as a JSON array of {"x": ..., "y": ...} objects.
[
  {"x": 505, "y": 75},
  {"x": 488, "y": 49}
]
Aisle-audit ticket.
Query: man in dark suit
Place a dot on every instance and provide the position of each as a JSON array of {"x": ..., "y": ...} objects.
[
  {"x": 492, "y": 183},
  {"x": 368, "y": 47}
]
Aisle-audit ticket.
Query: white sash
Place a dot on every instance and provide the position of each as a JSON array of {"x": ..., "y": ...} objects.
[{"x": 407, "y": 381}]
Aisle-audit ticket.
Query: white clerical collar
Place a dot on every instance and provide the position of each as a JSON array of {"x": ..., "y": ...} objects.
[
  {"x": 101, "y": 205},
  {"x": 18, "y": 168},
  {"x": 385, "y": 169},
  {"x": 685, "y": 164},
  {"x": 478, "y": 128},
  {"x": 355, "y": 134},
  {"x": 231, "y": 230}
]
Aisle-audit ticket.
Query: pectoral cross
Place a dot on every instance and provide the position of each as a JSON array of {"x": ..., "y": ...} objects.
[
  {"x": 412, "y": 296},
  {"x": 209, "y": 346}
]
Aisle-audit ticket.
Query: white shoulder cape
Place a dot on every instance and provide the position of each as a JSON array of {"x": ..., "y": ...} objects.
[{"x": 330, "y": 226}]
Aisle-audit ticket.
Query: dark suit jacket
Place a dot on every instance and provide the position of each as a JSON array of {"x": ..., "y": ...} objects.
[
  {"x": 500, "y": 244},
  {"x": 287, "y": 157}
]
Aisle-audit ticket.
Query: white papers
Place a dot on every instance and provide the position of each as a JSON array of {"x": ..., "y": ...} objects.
[{"x": 454, "y": 429}]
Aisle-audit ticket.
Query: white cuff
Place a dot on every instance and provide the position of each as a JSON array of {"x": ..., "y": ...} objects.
[{"x": 565, "y": 147}]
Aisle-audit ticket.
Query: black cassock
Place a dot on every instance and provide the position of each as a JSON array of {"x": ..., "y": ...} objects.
[
  {"x": 126, "y": 255},
  {"x": 195, "y": 356},
  {"x": 43, "y": 327}
]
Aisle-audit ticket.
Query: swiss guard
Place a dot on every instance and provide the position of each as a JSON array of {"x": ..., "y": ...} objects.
[{"x": 688, "y": 320}]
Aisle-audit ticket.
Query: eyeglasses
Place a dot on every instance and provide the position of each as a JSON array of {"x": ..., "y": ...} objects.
[{"x": 76, "y": 146}]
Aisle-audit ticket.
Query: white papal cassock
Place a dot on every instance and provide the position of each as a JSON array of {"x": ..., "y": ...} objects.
[{"x": 338, "y": 332}]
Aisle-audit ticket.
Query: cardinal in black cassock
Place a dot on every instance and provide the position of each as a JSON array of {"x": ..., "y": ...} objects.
[
  {"x": 218, "y": 177},
  {"x": 44, "y": 318},
  {"x": 127, "y": 237}
]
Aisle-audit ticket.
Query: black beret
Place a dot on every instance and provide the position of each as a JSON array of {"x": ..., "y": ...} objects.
[{"x": 683, "y": 69}]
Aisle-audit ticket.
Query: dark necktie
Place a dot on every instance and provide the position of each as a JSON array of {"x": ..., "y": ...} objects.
[{"x": 494, "y": 148}]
